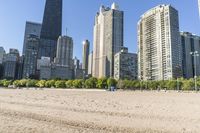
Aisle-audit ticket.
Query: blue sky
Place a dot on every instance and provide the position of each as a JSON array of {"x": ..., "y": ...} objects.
[{"x": 78, "y": 18}]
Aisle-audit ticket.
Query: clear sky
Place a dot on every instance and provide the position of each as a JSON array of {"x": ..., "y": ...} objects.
[{"x": 78, "y": 17}]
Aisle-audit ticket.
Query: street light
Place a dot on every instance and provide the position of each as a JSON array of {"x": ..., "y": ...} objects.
[{"x": 195, "y": 54}]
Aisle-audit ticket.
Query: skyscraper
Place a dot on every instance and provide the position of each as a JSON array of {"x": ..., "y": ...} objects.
[
  {"x": 90, "y": 64},
  {"x": 159, "y": 52},
  {"x": 31, "y": 28},
  {"x": 51, "y": 28},
  {"x": 62, "y": 67},
  {"x": 108, "y": 40},
  {"x": 30, "y": 56},
  {"x": 86, "y": 51},
  {"x": 190, "y": 43},
  {"x": 64, "y": 56},
  {"x": 2, "y": 53},
  {"x": 78, "y": 71}
]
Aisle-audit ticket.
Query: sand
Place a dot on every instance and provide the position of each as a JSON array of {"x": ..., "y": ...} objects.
[{"x": 81, "y": 111}]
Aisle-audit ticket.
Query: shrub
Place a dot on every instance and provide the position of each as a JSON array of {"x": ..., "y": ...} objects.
[
  {"x": 60, "y": 84},
  {"x": 50, "y": 83},
  {"x": 69, "y": 84},
  {"x": 153, "y": 85},
  {"x": 111, "y": 82},
  {"x": 135, "y": 84},
  {"x": 91, "y": 83},
  {"x": 120, "y": 84},
  {"x": 128, "y": 84},
  {"x": 16, "y": 83},
  {"x": 188, "y": 85},
  {"x": 41, "y": 83},
  {"x": 78, "y": 83},
  {"x": 22, "y": 83},
  {"x": 6, "y": 83},
  {"x": 101, "y": 83},
  {"x": 31, "y": 83},
  {"x": 1, "y": 83},
  {"x": 171, "y": 85},
  {"x": 162, "y": 84}
]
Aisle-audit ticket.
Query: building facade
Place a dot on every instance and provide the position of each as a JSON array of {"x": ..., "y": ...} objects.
[
  {"x": 62, "y": 67},
  {"x": 10, "y": 64},
  {"x": 90, "y": 64},
  {"x": 108, "y": 40},
  {"x": 31, "y": 28},
  {"x": 86, "y": 52},
  {"x": 55, "y": 71},
  {"x": 51, "y": 29},
  {"x": 78, "y": 72},
  {"x": 30, "y": 56},
  {"x": 159, "y": 48},
  {"x": 125, "y": 65},
  {"x": 64, "y": 56},
  {"x": 190, "y": 43},
  {"x": 2, "y": 53}
]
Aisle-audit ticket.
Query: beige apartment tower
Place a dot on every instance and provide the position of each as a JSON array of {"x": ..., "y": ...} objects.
[
  {"x": 159, "y": 53},
  {"x": 108, "y": 40}
]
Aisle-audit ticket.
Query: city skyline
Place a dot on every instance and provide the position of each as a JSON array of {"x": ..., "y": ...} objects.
[{"x": 131, "y": 11}]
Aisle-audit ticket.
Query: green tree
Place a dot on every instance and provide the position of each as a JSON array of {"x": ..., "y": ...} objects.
[
  {"x": 162, "y": 84},
  {"x": 142, "y": 85},
  {"x": 135, "y": 84},
  {"x": 188, "y": 85},
  {"x": 102, "y": 83},
  {"x": 91, "y": 83},
  {"x": 171, "y": 84},
  {"x": 111, "y": 82},
  {"x": 153, "y": 85}
]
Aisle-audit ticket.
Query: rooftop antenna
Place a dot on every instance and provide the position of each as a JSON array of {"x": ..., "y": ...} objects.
[{"x": 66, "y": 31}]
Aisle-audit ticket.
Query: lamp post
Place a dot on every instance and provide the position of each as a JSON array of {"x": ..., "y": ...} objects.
[{"x": 195, "y": 54}]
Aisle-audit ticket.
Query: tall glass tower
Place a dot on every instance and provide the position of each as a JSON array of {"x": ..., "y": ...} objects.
[{"x": 51, "y": 28}]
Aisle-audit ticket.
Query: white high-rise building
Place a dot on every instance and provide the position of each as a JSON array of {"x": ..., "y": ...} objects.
[
  {"x": 159, "y": 53},
  {"x": 108, "y": 40},
  {"x": 90, "y": 63},
  {"x": 64, "y": 55}
]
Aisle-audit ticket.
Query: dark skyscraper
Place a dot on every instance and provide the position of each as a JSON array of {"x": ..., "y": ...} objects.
[{"x": 51, "y": 28}]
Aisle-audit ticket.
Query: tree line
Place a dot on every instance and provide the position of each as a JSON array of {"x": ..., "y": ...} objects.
[{"x": 104, "y": 83}]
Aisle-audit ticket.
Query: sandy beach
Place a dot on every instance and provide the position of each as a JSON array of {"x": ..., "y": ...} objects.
[{"x": 71, "y": 111}]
